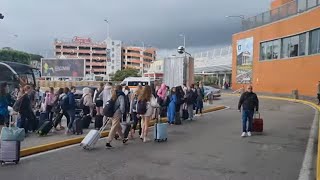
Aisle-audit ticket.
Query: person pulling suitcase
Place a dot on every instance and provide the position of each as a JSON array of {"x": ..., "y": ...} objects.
[{"x": 249, "y": 103}]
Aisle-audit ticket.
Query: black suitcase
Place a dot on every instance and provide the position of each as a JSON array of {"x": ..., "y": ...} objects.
[
  {"x": 177, "y": 119},
  {"x": 86, "y": 120},
  {"x": 45, "y": 128},
  {"x": 57, "y": 120},
  {"x": 77, "y": 126},
  {"x": 44, "y": 116},
  {"x": 98, "y": 122},
  {"x": 185, "y": 114}
]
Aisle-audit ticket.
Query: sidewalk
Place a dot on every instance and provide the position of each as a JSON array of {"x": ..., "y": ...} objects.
[{"x": 34, "y": 140}]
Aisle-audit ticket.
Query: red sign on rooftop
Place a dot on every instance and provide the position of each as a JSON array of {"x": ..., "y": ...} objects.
[{"x": 80, "y": 40}]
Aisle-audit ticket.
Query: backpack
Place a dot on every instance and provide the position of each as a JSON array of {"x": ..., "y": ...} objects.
[
  {"x": 141, "y": 107},
  {"x": 64, "y": 102},
  {"x": 109, "y": 108},
  {"x": 127, "y": 102},
  {"x": 81, "y": 103}
]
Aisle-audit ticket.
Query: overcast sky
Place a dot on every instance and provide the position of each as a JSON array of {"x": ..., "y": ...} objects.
[{"x": 32, "y": 25}]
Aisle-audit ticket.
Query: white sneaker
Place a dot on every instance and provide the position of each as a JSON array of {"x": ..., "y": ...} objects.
[
  {"x": 244, "y": 134},
  {"x": 249, "y": 133}
]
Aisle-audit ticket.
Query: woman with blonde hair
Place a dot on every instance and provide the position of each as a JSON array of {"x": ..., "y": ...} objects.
[
  {"x": 119, "y": 110},
  {"x": 151, "y": 101}
]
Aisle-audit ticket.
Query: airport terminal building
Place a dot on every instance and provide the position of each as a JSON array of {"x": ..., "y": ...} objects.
[{"x": 279, "y": 50}]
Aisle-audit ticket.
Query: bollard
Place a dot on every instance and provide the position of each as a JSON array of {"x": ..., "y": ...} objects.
[{"x": 295, "y": 94}]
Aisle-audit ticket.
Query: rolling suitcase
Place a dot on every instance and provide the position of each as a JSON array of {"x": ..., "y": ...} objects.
[
  {"x": 45, "y": 128},
  {"x": 44, "y": 116},
  {"x": 86, "y": 120},
  {"x": 10, "y": 152},
  {"x": 57, "y": 119},
  {"x": 92, "y": 137},
  {"x": 77, "y": 126},
  {"x": 160, "y": 131},
  {"x": 257, "y": 124},
  {"x": 98, "y": 122}
]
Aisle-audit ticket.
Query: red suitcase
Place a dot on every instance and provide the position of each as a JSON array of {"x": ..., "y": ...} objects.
[{"x": 257, "y": 124}]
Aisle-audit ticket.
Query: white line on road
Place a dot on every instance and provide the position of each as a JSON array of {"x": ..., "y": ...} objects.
[{"x": 307, "y": 164}]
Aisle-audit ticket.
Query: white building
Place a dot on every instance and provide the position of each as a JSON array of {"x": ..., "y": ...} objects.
[{"x": 114, "y": 49}]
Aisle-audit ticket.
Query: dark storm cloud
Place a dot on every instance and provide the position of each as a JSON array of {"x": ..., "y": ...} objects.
[{"x": 33, "y": 24}]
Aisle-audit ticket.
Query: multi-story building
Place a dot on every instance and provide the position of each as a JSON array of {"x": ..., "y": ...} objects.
[
  {"x": 94, "y": 53},
  {"x": 279, "y": 50},
  {"x": 138, "y": 58},
  {"x": 114, "y": 64}
]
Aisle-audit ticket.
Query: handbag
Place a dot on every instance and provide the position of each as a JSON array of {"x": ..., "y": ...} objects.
[{"x": 153, "y": 102}]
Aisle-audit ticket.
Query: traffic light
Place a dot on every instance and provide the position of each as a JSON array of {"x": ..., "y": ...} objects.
[{"x": 1, "y": 16}]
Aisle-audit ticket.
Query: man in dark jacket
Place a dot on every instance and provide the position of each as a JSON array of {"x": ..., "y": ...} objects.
[{"x": 249, "y": 102}]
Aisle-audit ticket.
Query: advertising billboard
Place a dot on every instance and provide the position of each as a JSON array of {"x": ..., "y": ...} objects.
[
  {"x": 63, "y": 68},
  {"x": 244, "y": 60}
]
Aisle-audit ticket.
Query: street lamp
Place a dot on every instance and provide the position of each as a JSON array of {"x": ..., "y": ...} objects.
[
  {"x": 239, "y": 16},
  {"x": 182, "y": 50},
  {"x": 184, "y": 39},
  {"x": 108, "y": 33},
  {"x": 1, "y": 16}
]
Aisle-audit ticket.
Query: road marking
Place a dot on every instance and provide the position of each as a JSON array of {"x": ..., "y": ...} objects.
[
  {"x": 55, "y": 150},
  {"x": 307, "y": 164}
]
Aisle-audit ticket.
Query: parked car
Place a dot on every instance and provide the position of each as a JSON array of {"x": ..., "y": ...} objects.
[{"x": 208, "y": 89}]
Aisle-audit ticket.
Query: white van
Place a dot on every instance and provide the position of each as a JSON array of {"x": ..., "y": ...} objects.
[{"x": 134, "y": 82}]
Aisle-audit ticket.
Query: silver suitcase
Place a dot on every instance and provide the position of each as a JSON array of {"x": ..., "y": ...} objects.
[
  {"x": 10, "y": 152},
  {"x": 92, "y": 137}
]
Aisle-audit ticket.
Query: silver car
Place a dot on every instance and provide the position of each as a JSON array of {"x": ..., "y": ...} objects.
[{"x": 214, "y": 91}]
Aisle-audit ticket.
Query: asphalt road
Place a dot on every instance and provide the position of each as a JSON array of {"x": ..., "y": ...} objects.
[{"x": 208, "y": 148}]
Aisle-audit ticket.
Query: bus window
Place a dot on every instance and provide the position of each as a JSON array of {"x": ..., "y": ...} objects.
[{"x": 137, "y": 83}]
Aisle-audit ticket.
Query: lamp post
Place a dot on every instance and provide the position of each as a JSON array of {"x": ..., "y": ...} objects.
[
  {"x": 1, "y": 16},
  {"x": 239, "y": 16},
  {"x": 108, "y": 33},
  {"x": 184, "y": 39}
]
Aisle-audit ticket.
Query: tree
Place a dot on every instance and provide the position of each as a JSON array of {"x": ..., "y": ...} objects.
[
  {"x": 7, "y": 54},
  {"x": 120, "y": 75}
]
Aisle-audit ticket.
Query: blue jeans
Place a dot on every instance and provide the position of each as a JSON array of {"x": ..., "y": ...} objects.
[
  {"x": 72, "y": 116},
  {"x": 247, "y": 116}
]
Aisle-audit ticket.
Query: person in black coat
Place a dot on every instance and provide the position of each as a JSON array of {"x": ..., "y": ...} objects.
[{"x": 249, "y": 103}]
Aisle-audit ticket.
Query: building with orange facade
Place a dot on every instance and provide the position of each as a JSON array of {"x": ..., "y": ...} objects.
[
  {"x": 278, "y": 51},
  {"x": 138, "y": 58}
]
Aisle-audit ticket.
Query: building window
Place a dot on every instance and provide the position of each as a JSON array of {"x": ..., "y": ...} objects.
[
  {"x": 285, "y": 48},
  {"x": 263, "y": 48},
  {"x": 290, "y": 46},
  {"x": 112, "y": 43},
  {"x": 294, "y": 46},
  {"x": 112, "y": 49},
  {"x": 302, "y": 44},
  {"x": 311, "y": 3},
  {"x": 270, "y": 50},
  {"x": 112, "y": 55},
  {"x": 314, "y": 45},
  {"x": 276, "y": 49}
]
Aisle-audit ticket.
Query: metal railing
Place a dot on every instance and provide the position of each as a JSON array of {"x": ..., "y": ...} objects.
[{"x": 289, "y": 9}]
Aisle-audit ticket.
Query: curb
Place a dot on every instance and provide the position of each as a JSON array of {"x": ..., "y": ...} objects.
[
  {"x": 315, "y": 106},
  {"x": 68, "y": 142}
]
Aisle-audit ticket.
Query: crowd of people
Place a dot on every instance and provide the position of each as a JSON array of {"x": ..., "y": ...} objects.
[{"x": 162, "y": 101}]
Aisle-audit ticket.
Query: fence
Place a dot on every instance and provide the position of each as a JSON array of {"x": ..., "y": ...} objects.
[{"x": 289, "y": 9}]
